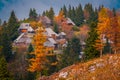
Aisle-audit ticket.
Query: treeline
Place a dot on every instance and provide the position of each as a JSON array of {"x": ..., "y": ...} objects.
[{"x": 79, "y": 15}]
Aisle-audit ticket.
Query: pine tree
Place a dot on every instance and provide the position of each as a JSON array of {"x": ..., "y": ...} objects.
[
  {"x": 79, "y": 18},
  {"x": 33, "y": 14},
  {"x": 56, "y": 28},
  {"x": 73, "y": 14},
  {"x": 73, "y": 49},
  {"x": 91, "y": 14},
  {"x": 69, "y": 12},
  {"x": 107, "y": 47},
  {"x": 64, "y": 10},
  {"x": 51, "y": 14},
  {"x": 4, "y": 73},
  {"x": 30, "y": 50},
  {"x": 43, "y": 14},
  {"x": 90, "y": 50},
  {"x": 12, "y": 26},
  {"x": 6, "y": 45}
]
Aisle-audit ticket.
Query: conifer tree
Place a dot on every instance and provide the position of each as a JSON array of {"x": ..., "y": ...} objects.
[
  {"x": 56, "y": 28},
  {"x": 6, "y": 45},
  {"x": 4, "y": 73},
  {"x": 51, "y": 14},
  {"x": 33, "y": 14},
  {"x": 79, "y": 18},
  {"x": 90, "y": 50},
  {"x": 73, "y": 49},
  {"x": 65, "y": 10},
  {"x": 69, "y": 12},
  {"x": 12, "y": 26}
]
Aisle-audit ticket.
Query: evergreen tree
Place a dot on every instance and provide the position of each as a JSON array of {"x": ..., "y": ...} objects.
[
  {"x": 4, "y": 73},
  {"x": 52, "y": 64},
  {"x": 33, "y": 14},
  {"x": 114, "y": 12},
  {"x": 90, "y": 50},
  {"x": 107, "y": 47},
  {"x": 73, "y": 14},
  {"x": 12, "y": 27},
  {"x": 51, "y": 14},
  {"x": 6, "y": 45},
  {"x": 92, "y": 15},
  {"x": 43, "y": 14},
  {"x": 70, "y": 53},
  {"x": 56, "y": 28},
  {"x": 79, "y": 19},
  {"x": 65, "y": 10},
  {"x": 69, "y": 11},
  {"x": 30, "y": 49}
]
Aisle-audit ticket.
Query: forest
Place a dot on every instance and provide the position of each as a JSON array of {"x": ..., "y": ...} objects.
[{"x": 79, "y": 34}]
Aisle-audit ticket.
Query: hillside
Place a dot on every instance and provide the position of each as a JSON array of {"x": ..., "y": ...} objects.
[{"x": 104, "y": 68}]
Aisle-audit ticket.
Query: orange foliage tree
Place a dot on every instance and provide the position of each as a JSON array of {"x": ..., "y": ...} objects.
[
  {"x": 39, "y": 61},
  {"x": 109, "y": 27},
  {"x": 60, "y": 17}
]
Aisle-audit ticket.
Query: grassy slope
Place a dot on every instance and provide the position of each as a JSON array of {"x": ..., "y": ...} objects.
[{"x": 104, "y": 68}]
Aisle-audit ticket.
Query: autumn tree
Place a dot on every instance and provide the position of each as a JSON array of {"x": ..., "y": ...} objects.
[
  {"x": 108, "y": 25},
  {"x": 58, "y": 19},
  {"x": 39, "y": 61}
]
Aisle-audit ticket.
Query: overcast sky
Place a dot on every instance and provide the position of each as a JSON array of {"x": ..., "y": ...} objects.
[{"x": 22, "y": 7}]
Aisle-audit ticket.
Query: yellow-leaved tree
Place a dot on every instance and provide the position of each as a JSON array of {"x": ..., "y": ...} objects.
[
  {"x": 37, "y": 64},
  {"x": 102, "y": 27},
  {"x": 108, "y": 27}
]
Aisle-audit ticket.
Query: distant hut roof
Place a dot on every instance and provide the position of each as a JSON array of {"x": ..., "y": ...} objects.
[
  {"x": 52, "y": 40},
  {"x": 69, "y": 21},
  {"x": 49, "y": 44},
  {"x": 26, "y": 26},
  {"x": 50, "y": 32}
]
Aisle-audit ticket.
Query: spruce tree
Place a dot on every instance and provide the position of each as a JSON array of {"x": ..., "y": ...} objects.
[
  {"x": 79, "y": 18},
  {"x": 51, "y": 14},
  {"x": 70, "y": 53},
  {"x": 65, "y": 10},
  {"x": 12, "y": 27},
  {"x": 6, "y": 45},
  {"x": 33, "y": 14},
  {"x": 56, "y": 28},
  {"x": 107, "y": 47},
  {"x": 90, "y": 50},
  {"x": 69, "y": 11},
  {"x": 4, "y": 73}
]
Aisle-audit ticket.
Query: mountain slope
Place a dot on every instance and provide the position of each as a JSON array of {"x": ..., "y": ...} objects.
[{"x": 105, "y": 68}]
